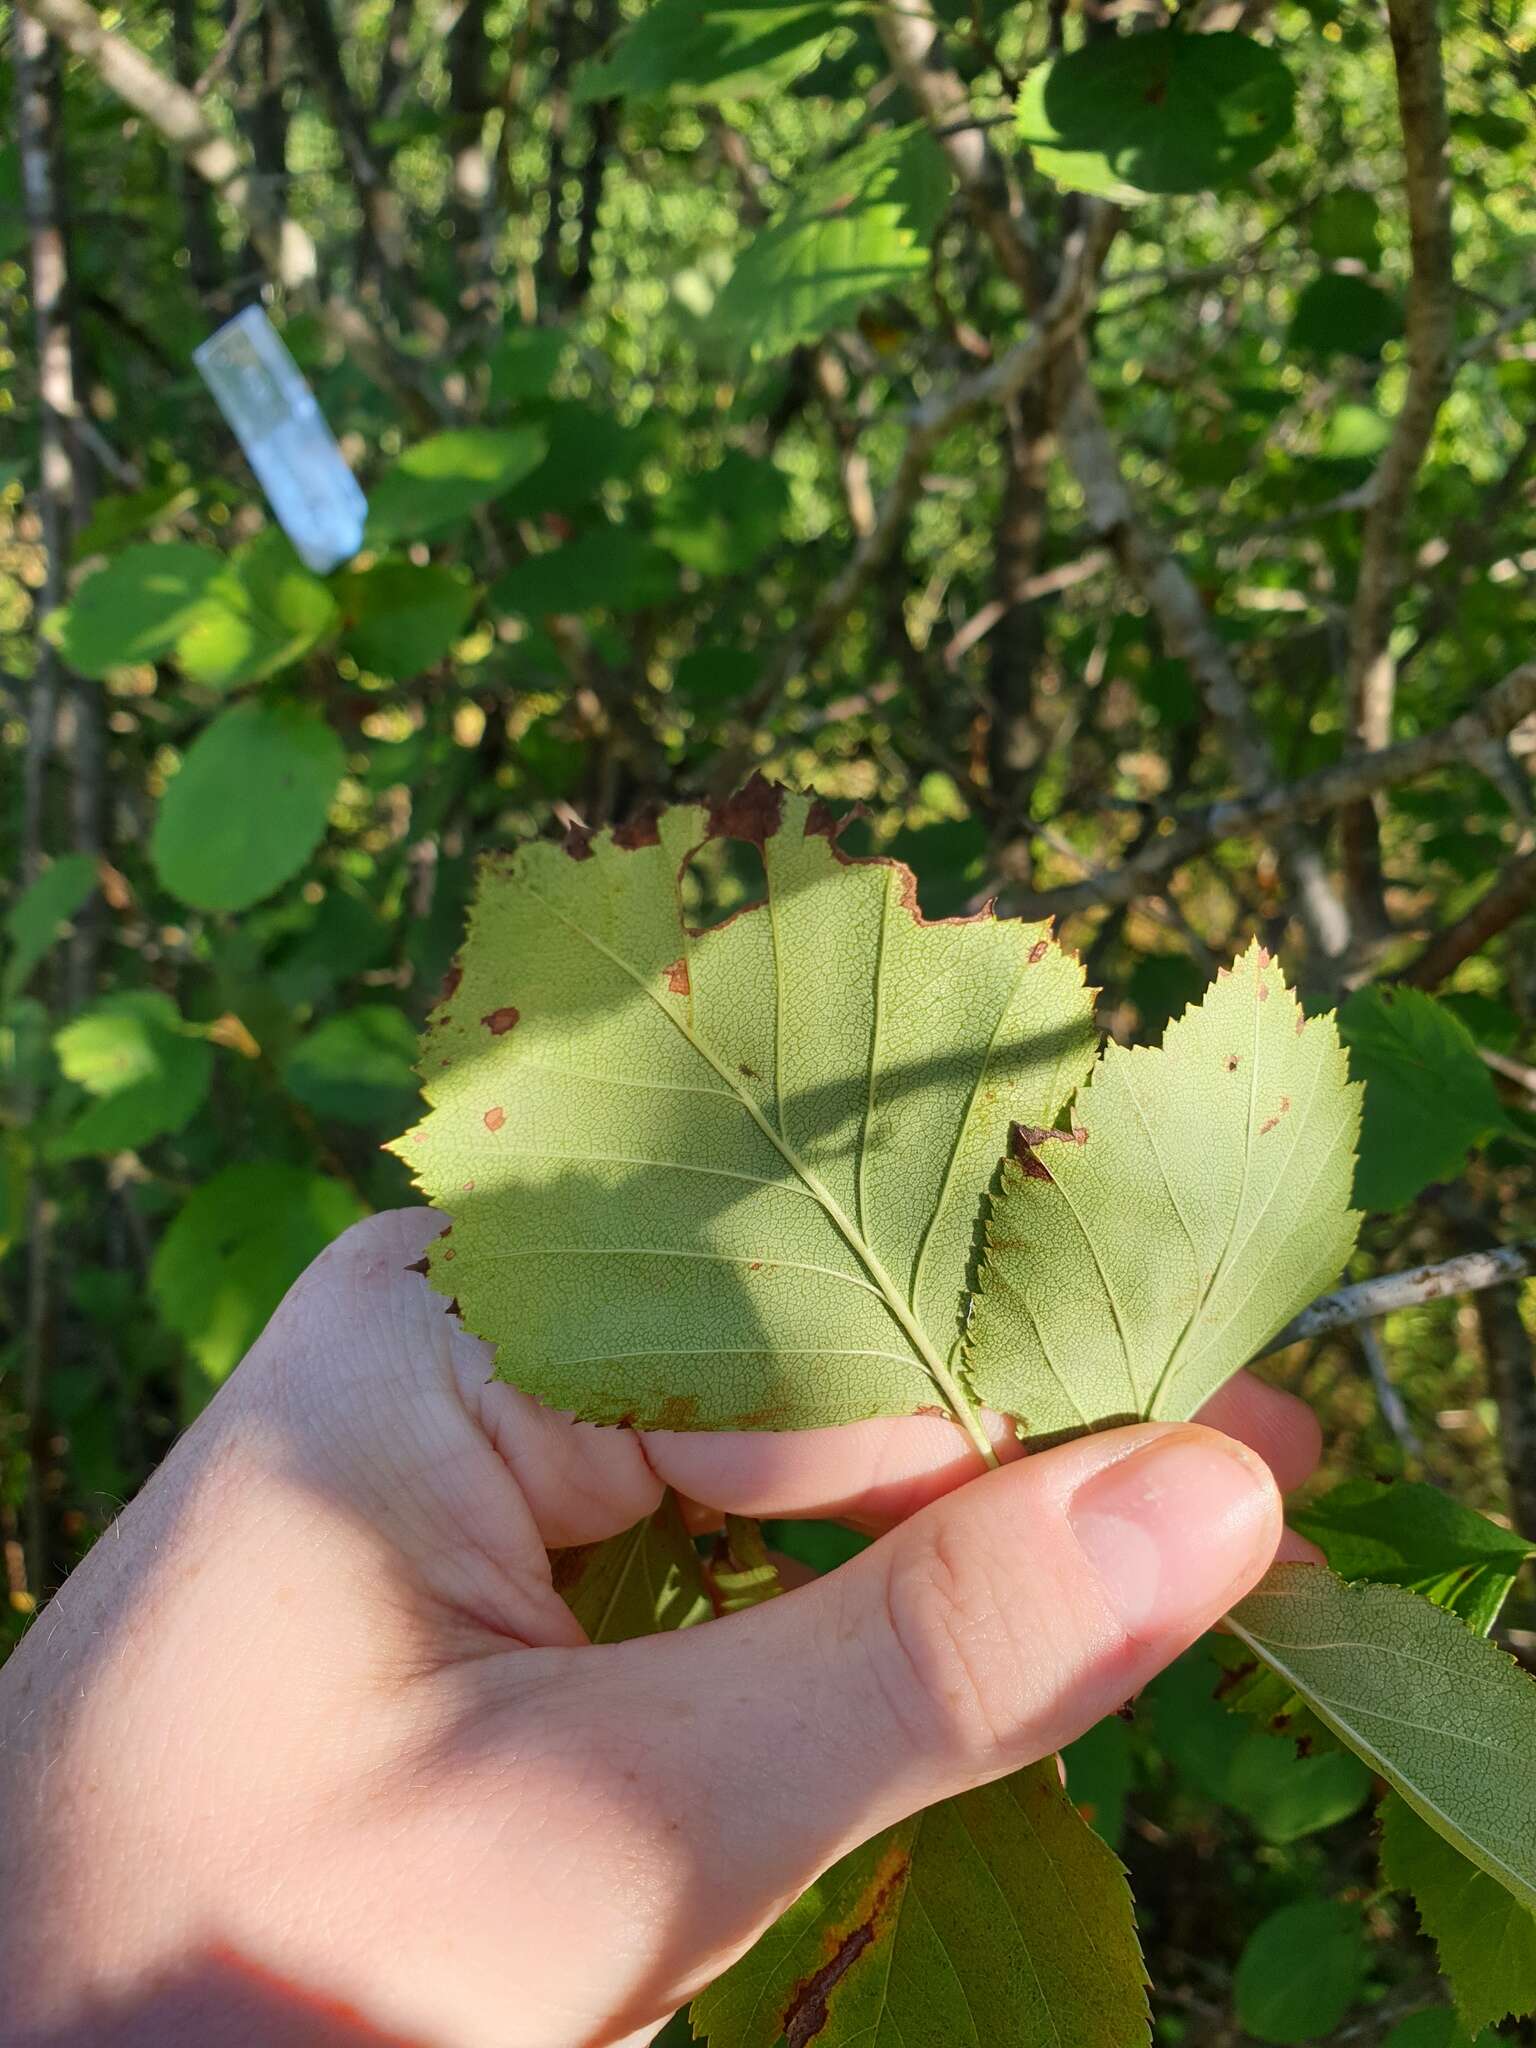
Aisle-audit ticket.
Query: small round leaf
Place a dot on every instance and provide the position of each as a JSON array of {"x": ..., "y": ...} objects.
[
  {"x": 1165, "y": 112},
  {"x": 248, "y": 806}
]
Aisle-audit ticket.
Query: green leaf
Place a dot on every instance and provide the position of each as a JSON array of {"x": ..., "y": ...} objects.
[
  {"x": 1282, "y": 1796},
  {"x": 1100, "y": 1772},
  {"x": 262, "y": 612},
  {"x": 722, "y": 521},
  {"x": 1417, "y": 1536},
  {"x": 1439, "y": 2027},
  {"x": 525, "y": 361},
  {"x": 148, "y": 1073},
  {"x": 34, "y": 920},
  {"x": 136, "y": 608},
  {"x": 710, "y": 676},
  {"x": 1442, "y": 1714},
  {"x": 401, "y": 617},
  {"x": 1163, "y": 112},
  {"x": 1485, "y": 1939},
  {"x": 1341, "y": 314},
  {"x": 712, "y": 49},
  {"x": 729, "y": 1178},
  {"x": 248, "y": 805},
  {"x": 356, "y": 1067},
  {"x": 447, "y": 477},
  {"x": 1301, "y": 1971},
  {"x": 118, "y": 516},
  {"x": 616, "y": 570},
  {"x": 858, "y": 227},
  {"x": 995, "y": 1917},
  {"x": 1428, "y": 1097},
  {"x": 642, "y": 1583},
  {"x": 1231, "y": 1147},
  {"x": 1344, "y": 226},
  {"x": 235, "y": 1248}
]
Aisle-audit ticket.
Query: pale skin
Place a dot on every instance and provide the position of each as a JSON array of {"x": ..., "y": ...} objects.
[{"x": 309, "y": 1750}]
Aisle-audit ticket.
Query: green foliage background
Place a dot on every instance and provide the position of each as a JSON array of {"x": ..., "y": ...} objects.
[{"x": 625, "y": 335}]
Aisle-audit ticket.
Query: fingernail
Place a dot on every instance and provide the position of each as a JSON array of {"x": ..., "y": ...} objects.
[{"x": 1177, "y": 1529}]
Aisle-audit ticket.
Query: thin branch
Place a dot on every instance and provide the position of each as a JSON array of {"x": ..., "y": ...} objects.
[
  {"x": 284, "y": 246},
  {"x": 1393, "y": 1411},
  {"x": 1287, "y": 804},
  {"x": 1430, "y": 331},
  {"x": 1368, "y": 1300},
  {"x": 910, "y": 35},
  {"x": 929, "y": 424},
  {"x": 1512, "y": 895}
]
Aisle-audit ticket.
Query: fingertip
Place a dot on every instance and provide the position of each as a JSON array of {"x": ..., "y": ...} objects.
[{"x": 1280, "y": 1427}]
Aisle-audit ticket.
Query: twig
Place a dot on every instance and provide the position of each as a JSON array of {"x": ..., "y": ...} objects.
[
  {"x": 1512, "y": 1070},
  {"x": 1388, "y": 1399},
  {"x": 1368, "y": 1300},
  {"x": 285, "y": 247},
  {"x": 1431, "y": 319},
  {"x": 929, "y": 424},
  {"x": 1313, "y": 796},
  {"x": 1507, "y": 898}
]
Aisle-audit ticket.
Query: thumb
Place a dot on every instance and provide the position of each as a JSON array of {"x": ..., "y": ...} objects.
[{"x": 988, "y": 1630}]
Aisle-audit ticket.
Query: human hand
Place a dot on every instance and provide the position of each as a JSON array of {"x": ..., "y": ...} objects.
[{"x": 309, "y": 1749}]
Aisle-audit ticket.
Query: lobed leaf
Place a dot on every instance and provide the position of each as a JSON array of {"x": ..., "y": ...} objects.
[
  {"x": 1200, "y": 1198},
  {"x": 729, "y": 1177}
]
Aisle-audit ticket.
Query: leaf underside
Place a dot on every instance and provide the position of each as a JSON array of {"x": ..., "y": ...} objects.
[
  {"x": 995, "y": 1917},
  {"x": 730, "y": 1178},
  {"x": 1441, "y": 1713},
  {"x": 1200, "y": 1198}
]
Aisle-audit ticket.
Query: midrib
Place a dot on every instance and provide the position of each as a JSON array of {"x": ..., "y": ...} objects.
[{"x": 901, "y": 1310}]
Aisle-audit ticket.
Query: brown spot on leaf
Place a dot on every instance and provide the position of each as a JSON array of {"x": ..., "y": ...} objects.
[
  {"x": 1024, "y": 1138},
  {"x": 1301, "y": 1022},
  {"x": 1285, "y": 1105},
  {"x": 678, "y": 1411},
  {"x": 1265, "y": 956},
  {"x": 642, "y": 830},
  {"x": 468, "y": 1188},
  {"x": 677, "y": 978},
  {"x": 753, "y": 814},
  {"x": 495, "y": 1118},
  {"x": 419, "y": 1266},
  {"x": 1268, "y": 1125},
  {"x": 449, "y": 1255},
  {"x": 1231, "y": 1063},
  {"x": 498, "y": 1022},
  {"x": 822, "y": 821},
  {"x": 1038, "y": 951},
  {"x": 751, "y": 1073},
  {"x": 451, "y": 982},
  {"x": 809, "y": 2006},
  {"x": 578, "y": 840},
  {"x": 1263, "y": 991},
  {"x": 754, "y": 1265},
  {"x": 453, "y": 1308}
]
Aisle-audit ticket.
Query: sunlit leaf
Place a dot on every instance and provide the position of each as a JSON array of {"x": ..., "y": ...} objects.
[
  {"x": 148, "y": 1073},
  {"x": 712, "y": 49},
  {"x": 262, "y": 612},
  {"x": 1199, "y": 1199},
  {"x": 1168, "y": 111},
  {"x": 248, "y": 805},
  {"x": 731, "y": 1177},
  {"x": 855, "y": 228},
  {"x": 136, "y": 608},
  {"x": 1429, "y": 1098},
  {"x": 444, "y": 479}
]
